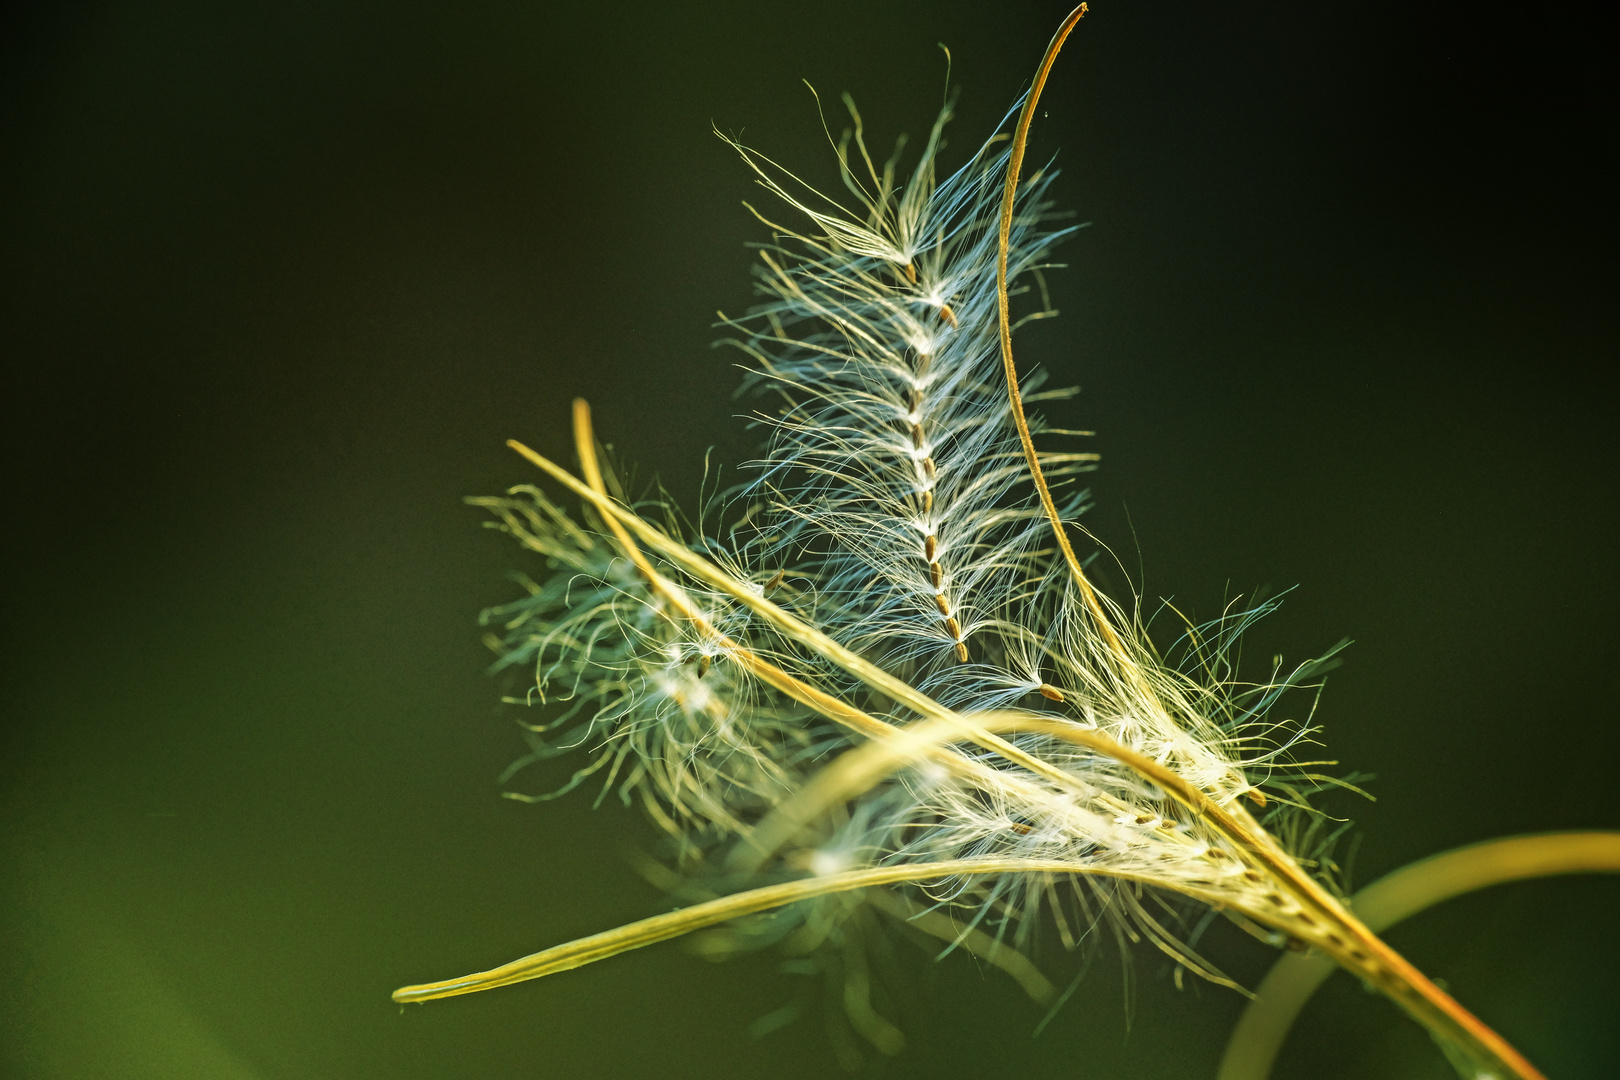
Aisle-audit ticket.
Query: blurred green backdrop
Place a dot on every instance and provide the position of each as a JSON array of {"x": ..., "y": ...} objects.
[{"x": 281, "y": 277}]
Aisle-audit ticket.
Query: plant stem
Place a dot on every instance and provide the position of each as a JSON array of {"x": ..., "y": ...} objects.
[
  {"x": 674, "y": 924},
  {"x": 1015, "y": 163},
  {"x": 1264, "y": 1026}
]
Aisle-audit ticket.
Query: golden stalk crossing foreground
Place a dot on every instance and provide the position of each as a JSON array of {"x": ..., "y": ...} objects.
[{"x": 587, "y": 950}]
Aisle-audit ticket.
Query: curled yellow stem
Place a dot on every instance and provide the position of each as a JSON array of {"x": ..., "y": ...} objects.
[{"x": 1264, "y": 1025}]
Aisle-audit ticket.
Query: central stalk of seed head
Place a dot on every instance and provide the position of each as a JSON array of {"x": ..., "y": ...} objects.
[{"x": 928, "y": 474}]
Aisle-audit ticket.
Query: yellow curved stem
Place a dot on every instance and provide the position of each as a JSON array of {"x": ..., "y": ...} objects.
[
  {"x": 674, "y": 924},
  {"x": 1264, "y": 1025}
]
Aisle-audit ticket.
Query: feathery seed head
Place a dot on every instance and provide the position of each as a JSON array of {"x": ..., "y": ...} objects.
[
  {"x": 884, "y": 667},
  {"x": 890, "y": 690}
]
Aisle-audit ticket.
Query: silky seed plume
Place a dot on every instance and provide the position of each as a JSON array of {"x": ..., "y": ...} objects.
[{"x": 884, "y": 693}]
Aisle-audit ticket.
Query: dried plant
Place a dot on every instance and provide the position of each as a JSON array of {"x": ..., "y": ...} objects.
[{"x": 886, "y": 689}]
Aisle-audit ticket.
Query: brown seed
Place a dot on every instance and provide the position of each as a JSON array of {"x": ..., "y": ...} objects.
[
  {"x": 1021, "y": 828},
  {"x": 916, "y": 437},
  {"x": 703, "y": 665},
  {"x": 1256, "y": 796},
  {"x": 928, "y": 467},
  {"x": 948, "y": 315},
  {"x": 928, "y": 548},
  {"x": 1050, "y": 692},
  {"x": 928, "y": 501},
  {"x": 936, "y": 573},
  {"x": 781, "y": 575},
  {"x": 916, "y": 399},
  {"x": 961, "y": 653},
  {"x": 911, "y": 273},
  {"x": 953, "y": 628},
  {"x": 943, "y": 605}
]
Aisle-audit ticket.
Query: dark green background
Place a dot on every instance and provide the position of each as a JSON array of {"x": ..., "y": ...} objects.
[{"x": 279, "y": 279}]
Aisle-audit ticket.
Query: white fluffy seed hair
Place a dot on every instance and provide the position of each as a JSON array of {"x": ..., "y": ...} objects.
[
  {"x": 893, "y": 511},
  {"x": 894, "y": 476}
]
